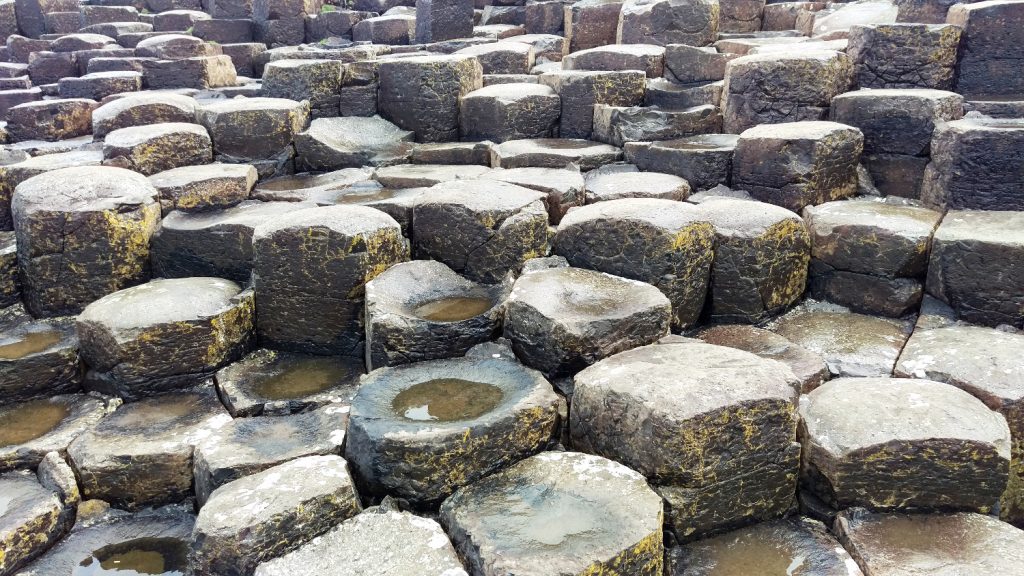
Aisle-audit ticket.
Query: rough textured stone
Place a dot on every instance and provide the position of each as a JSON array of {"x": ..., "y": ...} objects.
[
  {"x": 618, "y": 185},
  {"x": 203, "y": 188},
  {"x": 509, "y": 112},
  {"x": 164, "y": 335},
  {"x": 253, "y": 128},
  {"x": 200, "y": 72},
  {"x": 665, "y": 243},
  {"x": 973, "y": 165},
  {"x": 158, "y": 147},
  {"x": 647, "y": 57},
  {"x": 50, "y": 120},
  {"x": 553, "y": 153},
  {"x": 580, "y": 90},
  {"x": 142, "y": 109},
  {"x": 352, "y": 142},
  {"x": 311, "y": 267},
  {"x": 501, "y": 57},
  {"x": 949, "y": 449},
  {"x": 618, "y": 125},
  {"x": 809, "y": 368},
  {"x": 422, "y": 93},
  {"x": 38, "y": 358},
  {"x": 438, "y": 20},
  {"x": 33, "y": 519},
  {"x": 664, "y": 22},
  {"x": 70, "y": 416},
  {"x": 502, "y": 524},
  {"x": 591, "y": 23},
  {"x": 700, "y": 448},
  {"x": 704, "y": 161},
  {"x": 904, "y": 55},
  {"x": 99, "y": 85},
  {"x": 271, "y": 513},
  {"x": 82, "y": 233},
  {"x": 993, "y": 48}
]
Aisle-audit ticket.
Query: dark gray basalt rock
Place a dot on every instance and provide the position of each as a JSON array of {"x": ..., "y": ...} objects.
[
  {"x": 975, "y": 266},
  {"x": 618, "y": 124},
  {"x": 323, "y": 189},
  {"x": 310, "y": 270},
  {"x": 553, "y": 153},
  {"x": 50, "y": 120},
  {"x": 662, "y": 242},
  {"x": 422, "y": 310},
  {"x": 627, "y": 56},
  {"x": 164, "y": 335},
  {"x": 904, "y": 55},
  {"x": 158, "y": 147},
  {"x": 404, "y": 176},
  {"x": 710, "y": 419},
  {"x": 501, "y": 57},
  {"x": 761, "y": 257},
  {"x": 246, "y": 446},
  {"x": 920, "y": 544},
  {"x": 480, "y": 228},
  {"x": 37, "y": 427},
  {"x": 318, "y": 81},
  {"x": 991, "y": 55},
  {"x": 217, "y": 243},
  {"x": 10, "y": 281},
  {"x": 141, "y": 455},
  {"x": 797, "y": 164},
  {"x": 82, "y": 233},
  {"x": 509, "y": 112},
  {"x": 417, "y": 546},
  {"x": 253, "y": 129},
  {"x": 591, "y": 23},
  {"x": 203, "y": 188},
  {"x": 704, "y": 161},
  {"x": 809, "y": 368},
  {"x": 142, "y": 109},
  {"x": 563, "y": 186},
  {"x": 619, "y": 185},
  {"x": 38, "y": 358},
  {"x": 798, "y": 546},
  {"x": 421, "y": 431},
  {"x": 452, "y": 153},
  {"x": 99, "y": 85},
  {"x": 986, "y": 363},
  {"x": 271, "y": 513},
  {"x": 561, "y": 320},
  {"x": 33, "y": 518},
  {"x": 438, "y": 20},
  {"x": 352, "y": 142},
  {"x": 514, "y": 521},
  {"x": 268, "y": 382},
  {"x": 974, "y": 165},
  {"x": 889, "y": 443},
  {"x": 853, "y": 345},
  {"x": 580, "y": 90},
  {"x": 422, "y": 93}
]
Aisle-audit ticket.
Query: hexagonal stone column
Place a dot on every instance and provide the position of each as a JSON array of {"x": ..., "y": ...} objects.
[
  {"x": 32, "y": 429},
  {"x": 142, "y": 109},
  {"x": 809, "y": 368},
  {"x": 561, "y": 320},
  {"x": 663, "y": 242},
  {"x": 974, "y": 165},
  {"x": 889, "y": 443},
  {"x": 141, "y": 455},
  {"x": 509, "y": 112},
  {"x": 82, "y": 233},
  {"x": 438, "y": 20},
  {"x": 310, "y": 270},
  {"x": 869, "y": 255},
  {"x": 782, "y": 545},
  {"x": 580, "y": 90},
  {"x": 318, "y": 81},
  {"x": 254, "y": 130},
  {"x": 975, "y": 266},
  {"x": 418, "y": 545},
  {"x": 993, "y": 48},
  {"x": 37, "y": 357},
  {"x": 984, "y": 362},
  {"x": 708, "y": 417},
  {"x": 271, "y": 513},
  {"x": 553, "y": 153},
  {"x": 352, "y": 142},
  {"x": 647, "y": 57},
  {"x": 664, "y": 22},
  {"x": 591, "y": 23},
  {"x": 797, "y": 164},
  {"x": 50, "y": 120},
  {"x": 705, "y": 161},
  {"x": 164, "y": 335},
  {"x": 205, "y": 187},
  {"x": 761, "y": 257},
  {"x": 34, "y": 517},
  {"x": 423, "y": 310},
  {"x": 421, "y": 431},
  {"x": 513, "y": 522},
  {"x": 619, "y": 185},
  {"x": 897, "y": 125},
  {"x": 782, "y": 87},
  {"x": 422, "y": 93},
  {"x": 158, "y": 147},
  {"x": 480, "y": 228},
  {"x": 904, "y": 55}
]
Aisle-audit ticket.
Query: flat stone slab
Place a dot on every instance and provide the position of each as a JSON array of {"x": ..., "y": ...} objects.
[
  {"x": 32, "y": 518},
  {"x": 615, "y": 186},
  {"x": 158, "y": 147},
  {"x": 558, "y": 512},
  {"x": 324, "y": 189},
  {"x": 38, "y": 358},
  {"x": 29, "y": 430},
  {"x": 352, "y": 142},
  {"x": 140, "y": 109},
  {"x": 205, "y": 187},
  {"x": 563, "y": 186},
  {"x": 808, "y": 367},
  {"x": 553, "y": 153}
]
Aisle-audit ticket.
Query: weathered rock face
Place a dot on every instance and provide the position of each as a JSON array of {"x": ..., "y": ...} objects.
[
  {"x": 38, "y": 358},
  {"x": 82, "y": 233},
  {"x": 591, "y": 23},
  {"x": 929, "y": 446},
  {"x": 647, "y": 57},
  {"x": 972, "y": 165},
  {"x": 318, "y": 81},
  {"x": 553, "y": 153},
  {"x": 665, "y": 243},
  {"x": 618, "y": 185},
  {"x": 509, "y": 112},
  {"x": 20, "y": 169},
  {"x": 203, "y": 188},
  {"x": 35, "y": 428},
  {"x": 34, "y": 517},
  {"x": 307, "y": 258},
  {"x": 701, "y": 447},
  {"x": 50, "y": 120},
  {"x": 268, "y": 514},
  {"x": 580, "y": 90},
  {"x": 561, "y": 320},
  {"x": 141, "y": 455},
  {"x": 422, "y": 93},
  {"x": 422, "y": 310},
  {"x": 761, "y": 257},
  {"x": 511, "y": 522},
  {"x": 619, "y": 124},
  {"x": 919, "y": 544},
  {"x": 158, "y": 147},
  {"x": 438, "y": 20},
  {"x": 352, "y": 142},
  {"x": 809, "y": 368},
  {"x": 274, "y": 383},
  {"x": 704, "y": 161},
  {"x": 987, "y": 364},
  {"x": 664, "y": 22},
  {"x": 992, "y": 54},
  {"x": 418, "y": 433},
  {"x": 164, "y": 335},
  {"x": 564, "y": 186},
  {"x": 904, "y": 55},
  {"x": 480, "y": 228},
  {"x": 253, "y": 129},
  {"x": 799, "y": 546},
  {"x": 974, "y": 266},
  {"x": 797, "y": 164}
]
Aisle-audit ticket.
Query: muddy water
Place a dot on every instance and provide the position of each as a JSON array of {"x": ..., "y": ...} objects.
[
  {"x": 142, "y": 556},
  {"x": 30, "y": 420},
  {"x": 446, "y": 400},
  {"x": 357, "y": 196},
  {"x": 453, "y": 309},
  {"x": 749, "y": 554},
  {"x": 29, "y": 343},
  {"x": 304, "y": 378}
]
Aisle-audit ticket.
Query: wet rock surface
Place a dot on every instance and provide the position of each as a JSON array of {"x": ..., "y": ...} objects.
[{"x": 33, "y": 429}]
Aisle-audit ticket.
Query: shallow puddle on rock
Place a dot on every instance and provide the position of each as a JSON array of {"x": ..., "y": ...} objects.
[
  {"x": 357, "y": 196},
  {"x": 589, "y": 303},
  {"x": 303, "y": 378},
  {"x": 156, "y": 412},
  {"x": 28, "y": 343},
  {"x": 540, "y": 515},
  {"x": 446, "y": 400},
  {"x": 746, "y": 555},
  {"x": 142, "y": 556},
  {"x": 31, "y": 420},
  {"x": 453, "y": 309}
]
